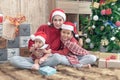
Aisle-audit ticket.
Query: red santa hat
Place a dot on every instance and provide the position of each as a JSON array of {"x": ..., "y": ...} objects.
[
  {"x": 55, "y": 12},
  {"x": 39, "y": 35},
  {"x": 70, "y": 26}
]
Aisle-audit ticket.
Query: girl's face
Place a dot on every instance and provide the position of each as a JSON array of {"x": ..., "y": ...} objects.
[
  {"x": 66, "y": 34},
  {"x": 58, "y": 21},
  {"x": 38, "y": 43}
]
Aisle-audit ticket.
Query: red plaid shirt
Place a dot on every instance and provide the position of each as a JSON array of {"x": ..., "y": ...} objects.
[{"x": 75, "y": 50}]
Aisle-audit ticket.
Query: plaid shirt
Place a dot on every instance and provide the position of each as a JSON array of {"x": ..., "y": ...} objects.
[{"x": 75, "y": 50}]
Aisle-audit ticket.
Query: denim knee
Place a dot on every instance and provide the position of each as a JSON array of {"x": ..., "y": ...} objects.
[
  {"x": 93, "y": 58},
  {"x": 57, "y": 57}
]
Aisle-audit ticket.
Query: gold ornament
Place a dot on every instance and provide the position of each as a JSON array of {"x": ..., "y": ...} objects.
[
  {"x": 102, "y": 28},
  {"x": 104, "y": 42},
  {"x": 109, "y": 1},
  {"x": 96, "y": 4}
]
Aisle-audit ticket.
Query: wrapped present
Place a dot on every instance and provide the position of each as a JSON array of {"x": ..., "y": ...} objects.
[
  {"x": 47, "y": 70},
  {"x": 104, "y": 55},
  {"x": 3, "y": 43},
  {"x": 13, "y": 43},
  {"x": 1, "y": 18},
  {"x": 1, "y": 30},
  {"x": 96, "y": 5},
  {"x": 24, "y": 30},
  {"x": 111, "y": 63},
  {"x": 3, "y": 54},
  {"x": 24, "y": 52},
  {"x": 12, "y": 52},
  {"x": 8, "y": 30},
  {"x": 11, "y": 25},
  {"x": 24, "y": 41}
]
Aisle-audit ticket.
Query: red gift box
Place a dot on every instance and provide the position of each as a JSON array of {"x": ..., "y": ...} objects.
[{"x": 1, "y": 18}]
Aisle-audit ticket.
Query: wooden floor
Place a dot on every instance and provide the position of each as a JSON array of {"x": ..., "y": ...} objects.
[{"x": 8, "y": 72}]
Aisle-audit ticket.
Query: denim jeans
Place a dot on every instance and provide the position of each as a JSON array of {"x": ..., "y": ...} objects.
[{"x": 27, "y": 62}]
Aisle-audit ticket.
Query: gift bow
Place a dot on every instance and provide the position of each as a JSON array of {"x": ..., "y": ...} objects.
[
  {"x": 111, "y": 57},
  {"x": 16, "y": 21}
]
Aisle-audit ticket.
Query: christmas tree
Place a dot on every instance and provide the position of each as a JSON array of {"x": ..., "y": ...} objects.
[{"x": 103, "y": 30}]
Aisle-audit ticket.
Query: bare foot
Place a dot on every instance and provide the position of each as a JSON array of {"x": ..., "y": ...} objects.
[{"x": 87, "y": 66}]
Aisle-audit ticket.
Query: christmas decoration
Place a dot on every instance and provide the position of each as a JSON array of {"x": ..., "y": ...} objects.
[{"x": 103, "y": 29}]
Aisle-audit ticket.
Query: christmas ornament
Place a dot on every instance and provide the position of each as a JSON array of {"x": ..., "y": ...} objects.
[
  {"x": 102, "y": 2},
  {"x": 102, "y": 28},
  {"x": 95, "y": 17},
  {"x": 88, "y": 40},
  {"x": 117, "y": 23},
  {"x": 91, "y": 45},
  {"x": 93, "y": 26},
  {"x": 104, "y": 42},
  {"x": 103, "y": 12},
  {"x": 112, "y": 38},
  {"x": 108, "y": 11},
  {"x": 109, "y": 1},
  {"x": 96, "y": 5}
]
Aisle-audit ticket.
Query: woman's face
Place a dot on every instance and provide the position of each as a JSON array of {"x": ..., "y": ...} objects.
[
  {"x": 57, "y": 21},
  {"x": 66, "y": 34}
]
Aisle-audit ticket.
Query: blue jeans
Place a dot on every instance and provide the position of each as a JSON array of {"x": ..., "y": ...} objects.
[
  {"x": 27, "y": 62},
  {"x": 87, "y": 59}
]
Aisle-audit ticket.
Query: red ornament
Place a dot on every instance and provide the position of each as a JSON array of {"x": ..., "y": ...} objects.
[
  {"x": 102, "y": 2},
  {"x": 108, "y": 11},
  {"x": 1, "y": 18},
  {"x": 103, "y": 12},
  {"x": 117, "y": 23}
]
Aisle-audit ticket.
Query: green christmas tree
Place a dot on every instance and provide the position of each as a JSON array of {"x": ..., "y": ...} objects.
[{"x": 103, "y": 29}]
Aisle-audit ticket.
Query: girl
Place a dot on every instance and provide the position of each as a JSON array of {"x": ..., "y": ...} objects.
[
  {"x": 39, "y": 50},
  {"x": 75, "y": 55}
]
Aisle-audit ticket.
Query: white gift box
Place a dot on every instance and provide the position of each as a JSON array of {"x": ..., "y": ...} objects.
[
  {"x": 109, "y": 63},
  {"x": 12, "y": 52},
  {"x": 24, "y": 41}
]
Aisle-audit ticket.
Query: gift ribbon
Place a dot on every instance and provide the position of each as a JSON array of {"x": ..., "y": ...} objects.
[
  {"x": 111, "y": 57},
  {"x": 16, "y": 21}
]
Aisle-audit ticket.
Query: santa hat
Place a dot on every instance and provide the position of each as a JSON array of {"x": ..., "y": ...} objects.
[
  {"x": 55, "y": 12},
  {"x": 70, "y": 26},
  {"x": 39, "y": 35}
]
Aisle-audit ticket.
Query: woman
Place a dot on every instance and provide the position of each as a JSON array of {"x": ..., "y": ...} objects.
[{"x": 57, "y": 18}]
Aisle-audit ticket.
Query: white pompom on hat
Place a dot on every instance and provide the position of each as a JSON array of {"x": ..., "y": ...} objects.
[
  {"x": 55, "y": 12},
  {"x": 70, "y": 26},
  {"x": 39, "y": 35}
]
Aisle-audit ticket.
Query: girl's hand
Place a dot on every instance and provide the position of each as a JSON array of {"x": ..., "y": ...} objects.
[
  {"x": 42, "y": 60},
  {"x": 35, "y": 66}
]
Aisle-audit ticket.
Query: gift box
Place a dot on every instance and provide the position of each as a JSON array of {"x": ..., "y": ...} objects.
[
  {"x": 3, "y": 43},
  {"x": 47, "y": 70},
  {"x": 104, "y": 55},
  {"x": 109, "y": 63},
  {"x": 12, "y": 52},
  {"x": 3, "y": 54},
  {"x": 24, "y": 30},
  {"x": 13, "y": 43},
  {"x": 24, "y": 41},
  {"x": 24, "y": 52},
  {"x": 8, "y": 30},
  {"x": 0, "y": 30}
]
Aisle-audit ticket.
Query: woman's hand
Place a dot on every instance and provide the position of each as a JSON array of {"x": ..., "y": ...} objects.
[{"x": 47, "y": 51}]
